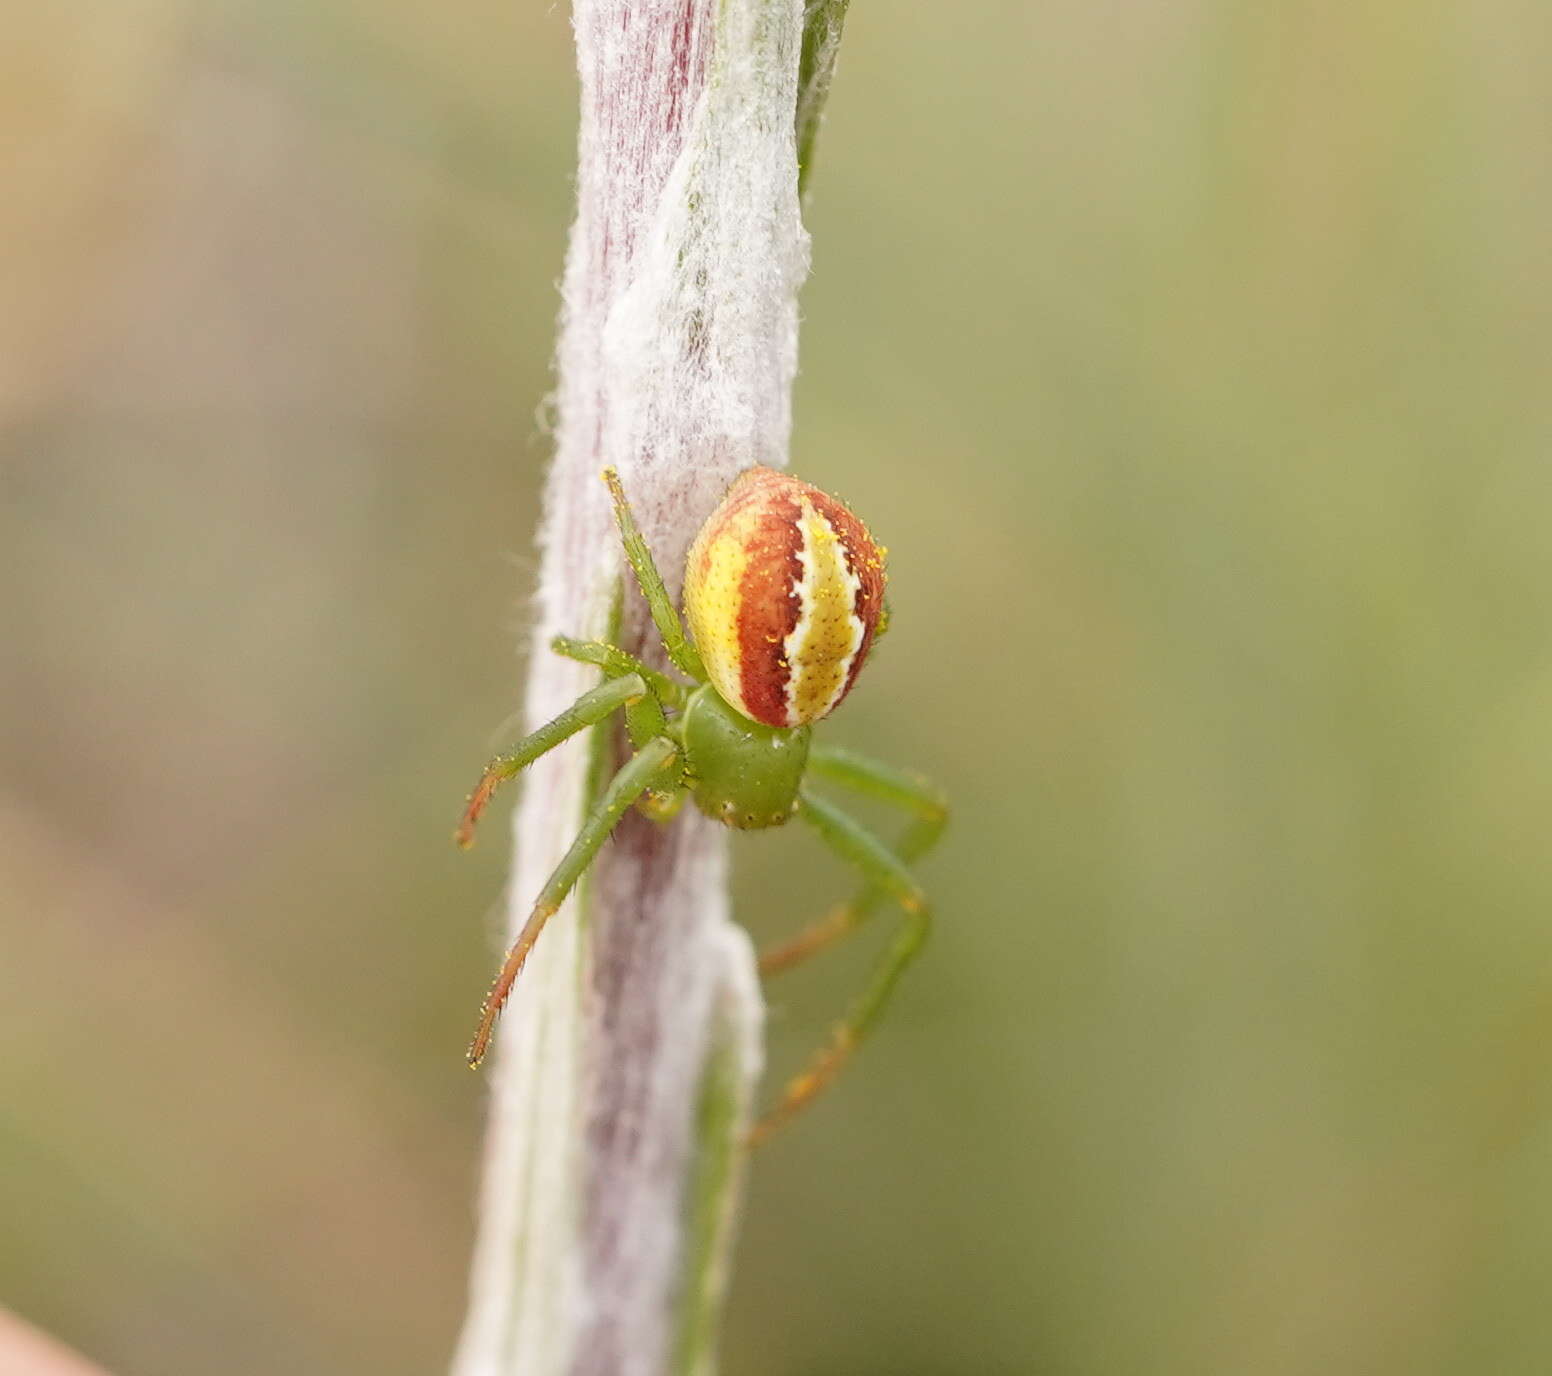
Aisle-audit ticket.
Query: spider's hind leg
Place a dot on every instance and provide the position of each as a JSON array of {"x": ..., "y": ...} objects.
[
  {"x": 885, "y": 872},
  {"x": 900, "y": 788}
]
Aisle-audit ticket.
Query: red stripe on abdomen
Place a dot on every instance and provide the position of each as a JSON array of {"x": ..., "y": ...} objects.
[{"x": 768, "y": 608}]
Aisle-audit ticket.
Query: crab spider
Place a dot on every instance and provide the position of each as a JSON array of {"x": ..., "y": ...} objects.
[{"x": 784, "y": 594}]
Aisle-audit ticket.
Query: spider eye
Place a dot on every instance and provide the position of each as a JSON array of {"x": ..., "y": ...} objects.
[{"x": 784, "y": 592}]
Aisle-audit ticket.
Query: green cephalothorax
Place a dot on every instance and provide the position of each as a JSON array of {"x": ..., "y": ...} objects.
[
  {"x": 740, "y": 771},
  {"x": 784, "y": 588}
]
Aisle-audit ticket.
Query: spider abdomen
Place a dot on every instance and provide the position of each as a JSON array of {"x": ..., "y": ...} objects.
[{"x": 784, "y": 587}]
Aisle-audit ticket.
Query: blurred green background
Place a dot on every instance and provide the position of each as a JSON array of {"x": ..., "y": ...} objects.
[{"x": 1193, "y": 360}]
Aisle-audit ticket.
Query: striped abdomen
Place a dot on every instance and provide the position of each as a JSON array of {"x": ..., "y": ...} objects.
[{"x": 783, "y": 589}]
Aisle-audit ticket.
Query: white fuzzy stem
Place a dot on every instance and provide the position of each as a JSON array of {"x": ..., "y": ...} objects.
[{"x": 627, "y": 1060}]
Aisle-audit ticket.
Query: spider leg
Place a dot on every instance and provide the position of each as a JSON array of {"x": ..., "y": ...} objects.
[
  {"x": 616, "y": 663},
  {"x": 886, "y": 872},
  {"x": 905, "y": 790},
  {"x": 589, "y": 709},
  {"x": 644, "y": 719},
  {"x": 684, "y": 655},
  {"x": 651, "y": 767}
]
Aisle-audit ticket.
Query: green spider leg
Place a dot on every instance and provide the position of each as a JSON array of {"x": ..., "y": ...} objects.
[
  {"x": 886, "y": 872},
  {"x": 644, "y": 720},
  {"x": 651, "y": 767},
  {"x": 616, "y": 663},
  {"x": 686, "y": 658},
  {"x": 591, "y": 708},
  {"x": 904, "y": 790},
  {"x": 650, "y": 777}
]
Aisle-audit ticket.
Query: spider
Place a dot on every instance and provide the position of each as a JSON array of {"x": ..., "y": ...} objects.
[{"x": 784, "y": 594}]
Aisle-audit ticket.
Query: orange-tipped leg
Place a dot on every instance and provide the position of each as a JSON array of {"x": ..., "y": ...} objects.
[
  {"x": 814, "y": 938},
  {"x": 589, "y": 709},
  {"x": 511, "y": 968},
  {"x": 492, "y": 779},
  {"x": 800, "y": 1091},
  {"x": 886, "y": 876},
  {"x": 890, "y": 786},
  {"x": 652, "y": 766}
]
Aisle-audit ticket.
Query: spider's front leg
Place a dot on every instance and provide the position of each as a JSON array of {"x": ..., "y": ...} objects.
[
  {"x": 686, "y": 658},
  {"x": 616, "y": 663},
  {"x": 644, "y": 719},
  {"x": 887, "y": 874},
  {"x": 588, "y": 710},
  {"x": 653, "y": 767}
]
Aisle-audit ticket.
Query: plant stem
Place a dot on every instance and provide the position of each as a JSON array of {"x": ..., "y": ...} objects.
[
  {"x": 823, "y": 23},
  {"x": 626, "y": 1066}
]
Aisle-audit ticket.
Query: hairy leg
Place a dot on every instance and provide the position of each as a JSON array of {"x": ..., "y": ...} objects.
[
  {"x": 904, "y": 790},
  {"x": 616, "y": 664},
  {"x": 589, "y": 709},
  {"x": 649, "y": 767},
  {"x": 883, "y": 870},
  {"x": 683, "y": 654},
  {"x": 644, "y": 719}
]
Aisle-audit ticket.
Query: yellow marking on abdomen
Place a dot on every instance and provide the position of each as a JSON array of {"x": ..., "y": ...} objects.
[
  {"x": 828, "y": 632},
  {"x": 712, "y": 609}
]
